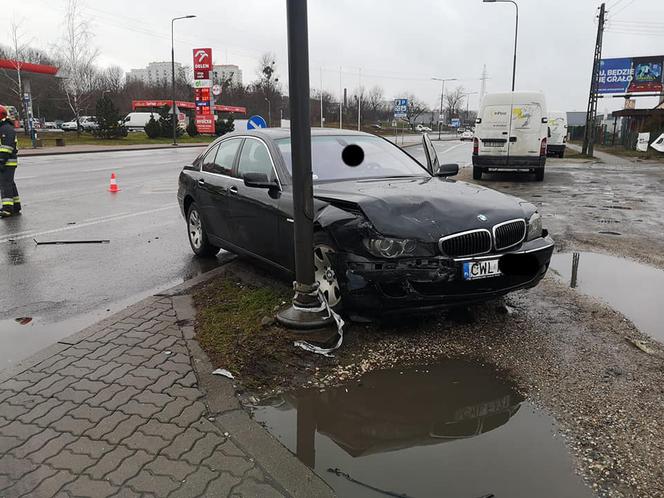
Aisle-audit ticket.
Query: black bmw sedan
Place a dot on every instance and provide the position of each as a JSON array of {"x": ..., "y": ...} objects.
[{"x": 390, "y": 233}]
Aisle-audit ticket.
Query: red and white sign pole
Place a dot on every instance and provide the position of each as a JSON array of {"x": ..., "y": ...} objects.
[{"x": 202, "y": 92}]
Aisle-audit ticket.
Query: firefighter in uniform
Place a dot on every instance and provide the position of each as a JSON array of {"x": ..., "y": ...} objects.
[{"x": 11, "y": 203}]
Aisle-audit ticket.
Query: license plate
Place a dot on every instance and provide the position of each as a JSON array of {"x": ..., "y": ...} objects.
[
  {"x": 493, "y": 144},
  {"x": 473, "y": 270}
]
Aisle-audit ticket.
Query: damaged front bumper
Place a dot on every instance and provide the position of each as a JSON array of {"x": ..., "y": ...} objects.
[{"x": 385, "y": 286}]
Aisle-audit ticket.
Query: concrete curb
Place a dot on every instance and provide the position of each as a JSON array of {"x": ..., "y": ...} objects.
[{"x": 47, "y": 152}]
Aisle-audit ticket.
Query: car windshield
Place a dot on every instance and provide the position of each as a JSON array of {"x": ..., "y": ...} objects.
[{"x": 381, "y": 158}]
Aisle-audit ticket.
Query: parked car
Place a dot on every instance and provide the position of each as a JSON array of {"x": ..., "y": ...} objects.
[
  {"x": 557, "y": 134},
  {"x": 466, "y": 135},
  {"x": 511, "y": 134},
  {"x": 422, "y": 128},
  {"x": 87, "y": 123},
  {"x": 390, "y": 234},
  {"x": 136, "y": 121}
]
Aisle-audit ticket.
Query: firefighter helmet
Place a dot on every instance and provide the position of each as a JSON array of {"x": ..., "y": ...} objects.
[{"x": 3, "y": 113}]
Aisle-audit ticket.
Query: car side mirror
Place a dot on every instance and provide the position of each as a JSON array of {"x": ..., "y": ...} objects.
[
  {"x": 257, "y": 180},
  {"x": 448, "y": 170}
]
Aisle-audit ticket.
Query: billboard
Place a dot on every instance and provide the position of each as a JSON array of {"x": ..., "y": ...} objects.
[{"x": 631, "y": 75}]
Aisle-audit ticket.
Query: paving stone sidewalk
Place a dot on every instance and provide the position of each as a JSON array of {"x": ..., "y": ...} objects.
[{"x": 118, "y": 411}]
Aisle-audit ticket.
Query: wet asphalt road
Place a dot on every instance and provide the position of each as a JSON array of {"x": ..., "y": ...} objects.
[{"x": 65, "y": 288}]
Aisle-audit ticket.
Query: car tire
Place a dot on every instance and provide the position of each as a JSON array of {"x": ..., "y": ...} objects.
[
  {"x": 477, "y": 173},
  {"x": 539, "y": 174},
  {"x": 325, "y": 272},
  {"x": 198, "y": 239}
]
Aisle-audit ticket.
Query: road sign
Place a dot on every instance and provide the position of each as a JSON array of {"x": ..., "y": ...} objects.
[
  {"x": 202, "y": 83},
  {"x": 216, "y": 90},
  {"x": 204, "y": 115},
  {"x": 202, "y": 59},
  {"x": 400, "y": 108},
  {"x": 256, "y": 122},
  {"x": 205, "y": 123},
  {"x": 456, "y": 122}
]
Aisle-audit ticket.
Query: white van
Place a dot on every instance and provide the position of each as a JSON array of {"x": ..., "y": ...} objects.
[
  {"x": 136, "y": 121},
  {"x": 557, "y": 142},
  {"x": 511, "y": 134}
]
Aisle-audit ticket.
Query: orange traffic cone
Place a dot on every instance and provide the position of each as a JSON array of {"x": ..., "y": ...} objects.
[{"x": 113, "y": 187}]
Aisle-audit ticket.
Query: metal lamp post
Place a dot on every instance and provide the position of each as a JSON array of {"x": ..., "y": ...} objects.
[
  {"x": 307, "y": 310},
  {"x": 175, "y": 120},
  {"x": 269, "y": 112},
  {"x": 516, "y": 34},
  {"x": 442, "y": 91}
]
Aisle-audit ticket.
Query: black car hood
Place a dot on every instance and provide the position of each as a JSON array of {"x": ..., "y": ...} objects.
[{"x": 424, "y": 209}]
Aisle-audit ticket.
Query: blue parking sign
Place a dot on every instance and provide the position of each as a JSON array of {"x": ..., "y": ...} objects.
[{"x": 400, "y": 108}]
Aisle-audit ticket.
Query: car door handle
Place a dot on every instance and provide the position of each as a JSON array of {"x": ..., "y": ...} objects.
[
  {"x": 233, "y": 190},
  {"x": 201, "y": 183}
]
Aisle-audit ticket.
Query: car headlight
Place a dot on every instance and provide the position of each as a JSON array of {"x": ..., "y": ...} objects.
[
  {"x": 534, "y": 227},
  {"x": 390, "y": 248}
]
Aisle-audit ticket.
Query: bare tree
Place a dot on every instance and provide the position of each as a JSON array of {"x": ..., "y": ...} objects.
[
  {"x": 17, "y": 51},
  {"x": 375, "y": 102},
  {"x": 415, "y": 108},
  {"x": 112, "y": 79},
  {"x": 77, "y": 56},
  {"x": 455, "y": 100}
]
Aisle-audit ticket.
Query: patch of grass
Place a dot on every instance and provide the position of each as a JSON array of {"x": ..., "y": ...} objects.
[
  {"x": 235, "y": 327},
  {"x": 134, "y": 138}
]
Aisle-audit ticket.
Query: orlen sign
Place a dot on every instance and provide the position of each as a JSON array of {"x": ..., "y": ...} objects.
[{"x": 202, "y": 59}]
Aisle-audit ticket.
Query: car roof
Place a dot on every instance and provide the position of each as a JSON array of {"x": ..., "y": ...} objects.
[{"x": 277, "y": 133}]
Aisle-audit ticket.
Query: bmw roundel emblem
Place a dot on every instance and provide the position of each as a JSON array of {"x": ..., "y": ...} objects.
[{"x": 481, "y": 217}]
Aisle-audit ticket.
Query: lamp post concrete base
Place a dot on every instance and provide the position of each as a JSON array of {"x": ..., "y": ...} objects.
[{"x": 307, "y": 311}]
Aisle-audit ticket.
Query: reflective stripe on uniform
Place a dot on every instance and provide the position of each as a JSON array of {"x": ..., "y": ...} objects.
[
  {"x": 5, "y": 148},
  {"x": 16, "y": 200},
  {"x": 7, "y": 202},
  {"x": 11, "y": 163}
]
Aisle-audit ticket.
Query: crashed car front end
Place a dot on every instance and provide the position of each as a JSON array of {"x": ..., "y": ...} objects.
[{"x": 384, "y": 274}]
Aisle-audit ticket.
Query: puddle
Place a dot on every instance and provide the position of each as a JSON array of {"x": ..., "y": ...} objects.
[
  {"x": 450, "y": 430},
  {"x": 634, "y": 289}
]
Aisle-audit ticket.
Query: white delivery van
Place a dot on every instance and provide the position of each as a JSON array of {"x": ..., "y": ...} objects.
[
  {"x": 136, "y": 121},
  {"x": 555, "y": 146},
  {"x": 511, "y": 134}
]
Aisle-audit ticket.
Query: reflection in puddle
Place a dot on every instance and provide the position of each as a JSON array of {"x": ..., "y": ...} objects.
[
  {"x": 454, "y": 429},
  {"x": 634, "y": 289}
]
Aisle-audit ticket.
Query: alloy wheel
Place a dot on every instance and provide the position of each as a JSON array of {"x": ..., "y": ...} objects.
[
  {"x": 195, "y": 229},
  {"x": 325, "y": 275}
]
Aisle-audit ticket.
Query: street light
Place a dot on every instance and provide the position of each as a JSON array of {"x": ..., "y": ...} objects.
[
  {"x": 308, "y": 311},
  {"x": 442, "y": 91},
  {"x": 516, "y": 34},
  {"x": 269, "y": 112},
  {"x": 175, "y": 120}
]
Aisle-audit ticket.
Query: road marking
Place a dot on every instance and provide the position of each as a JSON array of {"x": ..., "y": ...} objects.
[
  {"x": 105, "y": 219},
  {"x": 452, "y": 148}
]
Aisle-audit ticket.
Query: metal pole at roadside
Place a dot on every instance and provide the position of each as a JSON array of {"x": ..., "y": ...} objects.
[
  {"x": 305, "y": 311},
  {"x": 174, "y": 114}
]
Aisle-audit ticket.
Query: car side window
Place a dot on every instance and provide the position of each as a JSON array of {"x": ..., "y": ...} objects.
[
  {"x": 207, "y": 160},
  {"x": 255, "y": 158},
  {"x": 222, "y": 163}
]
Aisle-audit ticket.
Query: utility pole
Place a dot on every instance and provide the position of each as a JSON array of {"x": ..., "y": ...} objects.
[
  {"x": 589, "y": 136},
  {"x": 307, "y": 310},
  {"x": 359, "y": 100},
  {"x": 321, "y": 97},
  {"x": 483, "y": 80},
  {"x": 341, "y": 102}
]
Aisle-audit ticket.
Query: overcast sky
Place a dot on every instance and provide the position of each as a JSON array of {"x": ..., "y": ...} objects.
[{"x": 398, "y": 44}]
